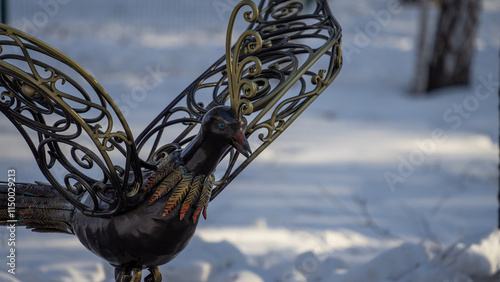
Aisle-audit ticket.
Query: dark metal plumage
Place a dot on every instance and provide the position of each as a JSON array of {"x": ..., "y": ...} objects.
[{"x": 38, "y": 207}]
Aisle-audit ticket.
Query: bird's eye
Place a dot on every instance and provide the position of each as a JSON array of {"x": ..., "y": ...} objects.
[{"x": 221, "y": 126}]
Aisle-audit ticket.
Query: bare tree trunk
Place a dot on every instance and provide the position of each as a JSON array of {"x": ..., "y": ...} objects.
[
  {"x": 454, "y": 46},
  {"x": 423, "y": 49}
]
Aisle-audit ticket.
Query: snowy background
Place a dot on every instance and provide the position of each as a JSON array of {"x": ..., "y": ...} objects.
[{"x": 370, "y": 184}]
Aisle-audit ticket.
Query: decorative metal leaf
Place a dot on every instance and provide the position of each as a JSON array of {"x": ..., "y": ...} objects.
[
  {"x": 178, "y": 195},
  {"x": 275, "y": 70},
  {"x": 193, "y": 195},
  {"x": 169, "y": 183},
  {"x": 204, "y": 198},
  {"x": 165, "y": 167},
  {"x": 69, "y": 123}
]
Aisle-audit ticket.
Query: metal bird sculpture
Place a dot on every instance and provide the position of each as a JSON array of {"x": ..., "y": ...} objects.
[{"x": 136, "y": 202}]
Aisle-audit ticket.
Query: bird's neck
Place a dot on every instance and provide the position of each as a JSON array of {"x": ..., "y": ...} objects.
[{"x": 202, "y": 154}]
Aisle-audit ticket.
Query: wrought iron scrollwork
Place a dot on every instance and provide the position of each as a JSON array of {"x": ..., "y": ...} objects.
[
  {"x": 68, "y": 122},
  {"x": 273, "y": 72}
]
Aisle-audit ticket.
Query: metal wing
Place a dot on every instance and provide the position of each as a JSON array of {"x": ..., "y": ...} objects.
[
  {"x": 275, "y": 70},
  {"x": 77, "y": 134}
]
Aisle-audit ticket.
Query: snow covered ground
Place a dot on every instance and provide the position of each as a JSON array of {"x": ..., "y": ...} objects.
[{"x": 370, "y": 184}]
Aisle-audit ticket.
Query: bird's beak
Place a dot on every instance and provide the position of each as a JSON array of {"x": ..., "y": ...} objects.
[{"x": 240, "y": 143}]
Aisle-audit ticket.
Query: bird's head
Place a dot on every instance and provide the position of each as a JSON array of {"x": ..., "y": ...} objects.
[
  {"x": 220, "y": 129},
  {"x": 221, "y": 126}
]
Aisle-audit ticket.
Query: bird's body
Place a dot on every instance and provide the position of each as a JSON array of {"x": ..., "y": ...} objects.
[{"x": 140, "y": 237}]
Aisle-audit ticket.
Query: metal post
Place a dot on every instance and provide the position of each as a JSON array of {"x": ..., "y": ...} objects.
[{"x": 4, "y": 13}]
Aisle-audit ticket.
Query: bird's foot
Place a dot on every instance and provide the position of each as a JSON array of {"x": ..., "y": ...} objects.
[
  {"x": 124, "y": 276},
  {"x": 136, "y": 275},
  {"x": 154, "y": 275}
]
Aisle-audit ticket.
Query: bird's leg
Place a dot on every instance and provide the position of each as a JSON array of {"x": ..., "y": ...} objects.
[
  {"x": 136, "y": 275},
  {"x": 122, "y": 274},
  {"x": 154, "y": 275}
]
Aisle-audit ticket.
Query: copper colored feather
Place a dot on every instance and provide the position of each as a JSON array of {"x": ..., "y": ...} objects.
[
  {"x": 165, "y": 167},
  {"x": 204, "y": 198},
  {"x": 193, "y": 195},
  {"x": 167, "y": 184},
  {"x": 179, "y": 193}
]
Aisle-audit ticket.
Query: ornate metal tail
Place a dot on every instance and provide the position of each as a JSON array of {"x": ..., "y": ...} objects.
[{"x": 37, "y": 206}]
